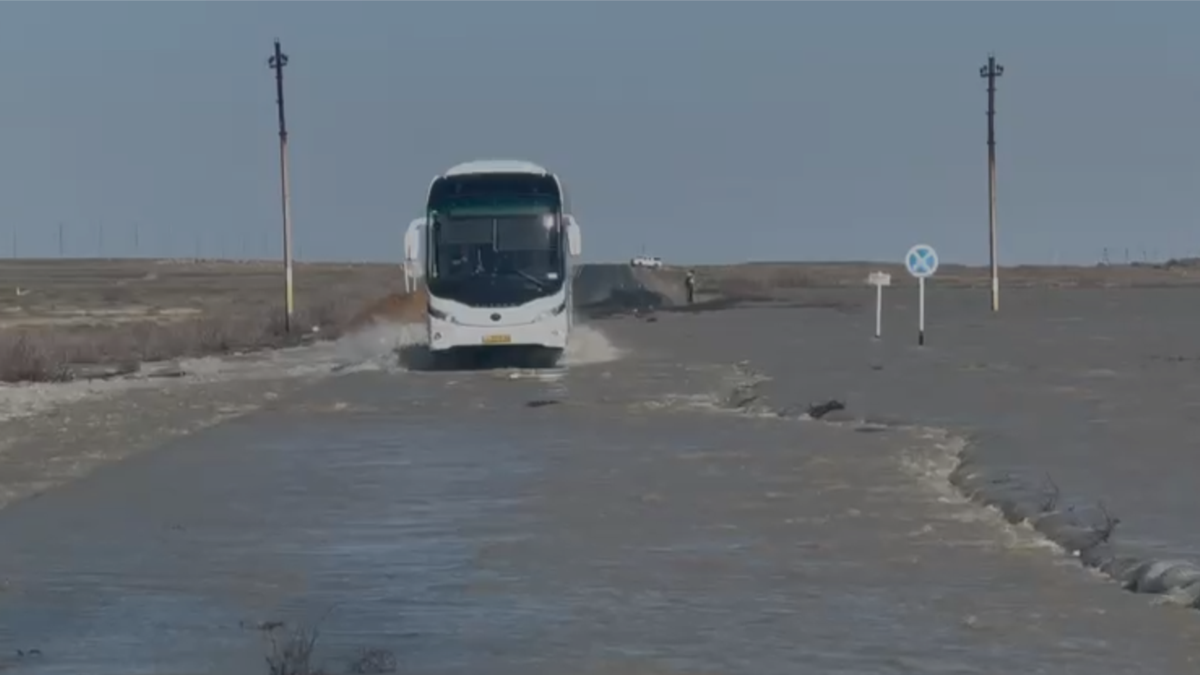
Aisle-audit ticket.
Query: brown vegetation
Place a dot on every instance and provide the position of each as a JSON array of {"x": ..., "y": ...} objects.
[
  {"x": 779, "y": 279},
  {"x": 57, "y": 353},
  {"x": 396, "y": 308},
  {"x": 58, "y": 316}
]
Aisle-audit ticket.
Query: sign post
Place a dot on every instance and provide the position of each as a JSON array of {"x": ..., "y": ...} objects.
[
  {"x": 922, "y": 262},
  {"x": 879, "y": 280}
]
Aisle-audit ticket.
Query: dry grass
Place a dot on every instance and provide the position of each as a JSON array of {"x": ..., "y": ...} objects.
[
  {"x": 53, "y": 353},
  {"x": 182, "y": 310},
  {"x": 780, "y": 280}
]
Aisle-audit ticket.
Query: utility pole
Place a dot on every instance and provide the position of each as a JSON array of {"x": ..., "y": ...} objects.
[
  {"x": 991, "y": 71},
  {"x": 60, "y": 240},
  {"x": 137, "y": 249},
  {"x": 277, "y": 62}
]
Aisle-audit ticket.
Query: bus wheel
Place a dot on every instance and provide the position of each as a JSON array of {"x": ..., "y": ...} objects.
[
  {"x": 443, "y": 360},
  {"x": 545, "y": 358}
]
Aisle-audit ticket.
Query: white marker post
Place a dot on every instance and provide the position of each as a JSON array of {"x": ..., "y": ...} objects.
[
  {"x": 921, "y": 312},
  {"x": 921, "y": 262},
  {"x": 879, "y": 280}
]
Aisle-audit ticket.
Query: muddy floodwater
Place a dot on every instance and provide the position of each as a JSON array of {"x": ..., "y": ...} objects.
[{"x": 610, "y": 517}]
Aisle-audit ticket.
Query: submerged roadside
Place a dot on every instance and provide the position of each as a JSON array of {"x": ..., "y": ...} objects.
[
  {"x": 1076, "y": 407},
  {"x": 52, "y": 433}
]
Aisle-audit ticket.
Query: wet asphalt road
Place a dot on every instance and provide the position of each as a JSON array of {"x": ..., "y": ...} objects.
[{"x": 608, "y": 521}]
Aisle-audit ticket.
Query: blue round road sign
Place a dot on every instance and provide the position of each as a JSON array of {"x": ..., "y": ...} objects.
[{"x": 921, "y": 261}]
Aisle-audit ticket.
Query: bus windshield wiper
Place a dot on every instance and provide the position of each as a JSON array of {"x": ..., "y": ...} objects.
[{"x": 532, "y": 279}]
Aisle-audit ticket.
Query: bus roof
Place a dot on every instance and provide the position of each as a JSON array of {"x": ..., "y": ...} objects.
[{"x": 495, "y": 166}]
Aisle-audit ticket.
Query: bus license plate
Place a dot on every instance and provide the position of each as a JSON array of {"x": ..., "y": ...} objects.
[{"x": 497, "y": 339}]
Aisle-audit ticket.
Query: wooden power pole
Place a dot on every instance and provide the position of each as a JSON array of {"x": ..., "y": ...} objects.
[
  {"x": 277, "y": 61},
  {"x": 991, "y": 71}
]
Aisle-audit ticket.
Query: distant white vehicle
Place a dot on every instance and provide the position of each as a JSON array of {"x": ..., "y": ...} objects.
[{"x": 646, "y": 261}]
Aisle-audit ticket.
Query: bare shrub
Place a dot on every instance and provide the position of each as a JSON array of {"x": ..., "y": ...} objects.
[
  {"x": 25, "y": 358},
  {"x": 329, "y": 315},
  {"x": 374, "y": 662},
  {"x": 293, "y": 654},
  {"x": 1103, "y": 533}
]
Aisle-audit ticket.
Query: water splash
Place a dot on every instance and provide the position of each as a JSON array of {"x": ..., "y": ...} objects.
[
  {"x": 588, "y": 345},
  {"x": 380, "y": 344}
]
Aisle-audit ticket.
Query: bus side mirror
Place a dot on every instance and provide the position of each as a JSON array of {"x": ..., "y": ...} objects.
[
  {"x": 574, "y": 240},
  {"x": 412, "y": 239}
]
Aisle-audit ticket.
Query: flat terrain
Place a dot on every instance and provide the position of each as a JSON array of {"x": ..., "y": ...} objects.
[
  {"x": 657, "y": 509},
  {"x": 87, "y": 291},
  {"x": 73, "y": 318},
  {"x": 760, "y": 277},
  {"x": 66, "y": 319},
  {"x": 81, "y": 292}
]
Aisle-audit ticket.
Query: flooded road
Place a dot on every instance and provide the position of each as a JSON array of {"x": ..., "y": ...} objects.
[{"x": 608, "y": 519}]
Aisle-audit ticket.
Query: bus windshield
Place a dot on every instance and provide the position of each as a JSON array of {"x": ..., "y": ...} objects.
[{"x": 496, "y": 259}]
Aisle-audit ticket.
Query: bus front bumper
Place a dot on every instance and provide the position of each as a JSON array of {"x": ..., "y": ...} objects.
[{"x": 550, "y": 334}]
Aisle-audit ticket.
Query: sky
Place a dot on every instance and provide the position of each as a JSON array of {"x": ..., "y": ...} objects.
[{"x": 699, "y": 132}]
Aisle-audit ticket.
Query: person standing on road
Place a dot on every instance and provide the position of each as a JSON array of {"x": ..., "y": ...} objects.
[{"x": 690, "y": 283}]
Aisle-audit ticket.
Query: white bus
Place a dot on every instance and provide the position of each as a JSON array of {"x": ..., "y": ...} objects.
[{"x": 497, "y": 243}]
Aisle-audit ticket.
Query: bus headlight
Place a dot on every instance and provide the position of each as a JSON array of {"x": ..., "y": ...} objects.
[
  {"x": 551, "y": 313},
  {"x": 439, "y": 314}
]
